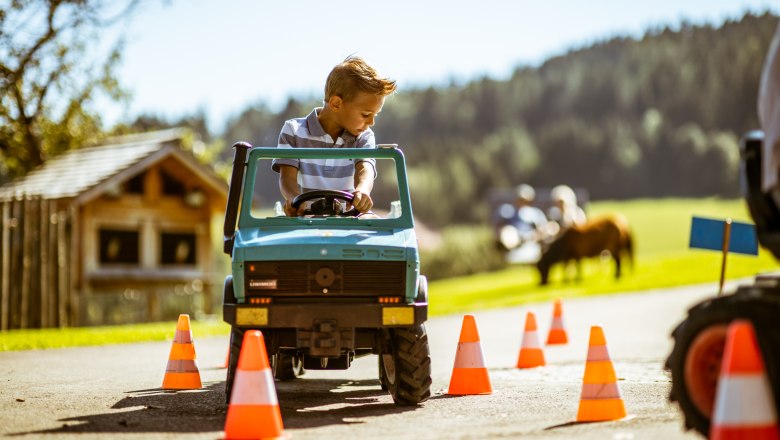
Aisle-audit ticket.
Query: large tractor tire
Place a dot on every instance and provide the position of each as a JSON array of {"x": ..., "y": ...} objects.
[
  {"x": 405, "y": 367},
  {"x": 698, "y": 348}
]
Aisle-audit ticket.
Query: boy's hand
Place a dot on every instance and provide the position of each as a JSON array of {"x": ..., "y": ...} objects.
[
  {"x": 292, "y": 212},
  {"x": 362, "y": 201}
]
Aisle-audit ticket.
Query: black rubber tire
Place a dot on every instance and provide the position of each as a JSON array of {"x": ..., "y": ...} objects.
[
  {"x": 754, "y": 304},
  {"x": 406, "y": 372},
  {"x": 382, "y": 379},
  {"x": 288, "y": 367},
  {"x": 236, "y": 339}
]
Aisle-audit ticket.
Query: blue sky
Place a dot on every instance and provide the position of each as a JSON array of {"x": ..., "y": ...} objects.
[{"x": 221, "y": 56}]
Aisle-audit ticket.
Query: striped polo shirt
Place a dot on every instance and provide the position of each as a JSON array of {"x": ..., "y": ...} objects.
[{"x": 336, "y": 174}]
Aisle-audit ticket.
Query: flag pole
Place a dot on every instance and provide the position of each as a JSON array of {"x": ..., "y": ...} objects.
[{"x": 726, "y": 240}]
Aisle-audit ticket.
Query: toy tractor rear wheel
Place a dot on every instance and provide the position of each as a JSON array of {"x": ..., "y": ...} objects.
[
  {"x": 382, "y": 373},
  {"x": 288, "y": 367},
  {"x": 699, "y": 342},
  {"x": 405, "y": 366}
]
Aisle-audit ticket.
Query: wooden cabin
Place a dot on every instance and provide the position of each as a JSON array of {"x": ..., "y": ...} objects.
[{"x": 111, "y": 234}]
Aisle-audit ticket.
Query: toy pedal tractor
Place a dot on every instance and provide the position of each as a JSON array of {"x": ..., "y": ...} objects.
[{"x": 329, "y": 286}]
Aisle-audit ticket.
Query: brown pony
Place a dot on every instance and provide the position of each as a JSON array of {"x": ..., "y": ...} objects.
[{"x": 608, "y": 233}]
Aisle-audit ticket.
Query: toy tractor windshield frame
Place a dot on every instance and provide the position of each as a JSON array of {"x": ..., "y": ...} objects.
[{"x": 243, "y": 180}]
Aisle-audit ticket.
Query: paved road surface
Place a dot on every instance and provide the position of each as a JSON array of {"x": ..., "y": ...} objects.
[{"x": 113, "y": 391}]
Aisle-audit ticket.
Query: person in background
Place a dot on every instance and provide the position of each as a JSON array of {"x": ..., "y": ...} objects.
[
  {"x": 565, "y": 210},
  {"x": 531, "y": 222},
  {"x": 521, "y": 222}
]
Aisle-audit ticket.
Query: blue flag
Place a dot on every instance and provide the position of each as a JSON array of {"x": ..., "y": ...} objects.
[{"x": 707, "y": 233}]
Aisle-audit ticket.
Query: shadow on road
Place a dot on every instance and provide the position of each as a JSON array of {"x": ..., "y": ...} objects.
[
  {"x": 155, "y": 410},
  {"x": 304, "y": 403},
  {"x": 310, "y": 403}
]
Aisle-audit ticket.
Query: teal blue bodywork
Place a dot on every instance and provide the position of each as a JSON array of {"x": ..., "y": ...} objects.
[{"x": 331, "y": 238}]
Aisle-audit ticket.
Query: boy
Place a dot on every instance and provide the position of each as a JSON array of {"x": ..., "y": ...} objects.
[{"x": 354, "y": 96}]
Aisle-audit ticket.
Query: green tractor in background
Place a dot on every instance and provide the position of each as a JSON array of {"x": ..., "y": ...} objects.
[{"x": 329, "y": 286}]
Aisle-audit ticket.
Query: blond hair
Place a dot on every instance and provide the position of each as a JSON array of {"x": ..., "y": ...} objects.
[{"x": 354, "y": 75}]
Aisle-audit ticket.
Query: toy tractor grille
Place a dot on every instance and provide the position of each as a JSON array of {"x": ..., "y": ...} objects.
[{"x": 354, "y": 279}]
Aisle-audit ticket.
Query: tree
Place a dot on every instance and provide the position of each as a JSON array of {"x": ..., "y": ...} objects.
[
  {"x": 51, "y": 71},
  {"x": 657, "y": 116}
]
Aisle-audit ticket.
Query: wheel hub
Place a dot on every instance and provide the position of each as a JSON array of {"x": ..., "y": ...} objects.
[
  {"x": 389, "y": 365},
  {"x": 702, "y": 367}
]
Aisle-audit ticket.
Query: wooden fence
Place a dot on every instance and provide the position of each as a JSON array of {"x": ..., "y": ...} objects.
[{"x": 37, "y": 264}]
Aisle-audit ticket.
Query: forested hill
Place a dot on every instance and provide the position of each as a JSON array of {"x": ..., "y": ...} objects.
[{"x": 652, "y": 117}]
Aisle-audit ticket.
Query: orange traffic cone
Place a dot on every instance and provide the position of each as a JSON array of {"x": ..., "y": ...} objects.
[
  {"x": 227, "y": 359},
  {"x": 557, "y": 333},
  {"x": 253, "y": 412},
  {"x": 744, "y": 407},
  {"x": 531, "y": 354},
  {"x": 600, "y": 399},
  {"x": 469, "y": 375},
  {"x": 182, "y": 371}
]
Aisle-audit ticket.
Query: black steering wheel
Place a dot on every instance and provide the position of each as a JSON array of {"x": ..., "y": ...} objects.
[{"x": 326, "y": 206}]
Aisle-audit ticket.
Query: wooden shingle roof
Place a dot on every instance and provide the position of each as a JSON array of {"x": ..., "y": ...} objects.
[{"x": 81, "y": 172}]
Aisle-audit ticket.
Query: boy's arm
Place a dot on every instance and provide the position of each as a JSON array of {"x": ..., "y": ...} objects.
[
  {"x": 364, "y": 183},
  {"x": 288, "y": 186}
]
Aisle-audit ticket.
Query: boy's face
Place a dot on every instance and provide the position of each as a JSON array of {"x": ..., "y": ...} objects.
[{"x": 358, "y": 114}]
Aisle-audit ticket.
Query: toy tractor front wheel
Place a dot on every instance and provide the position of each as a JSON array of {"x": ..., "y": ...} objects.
[{"x": 405, "y": 365}]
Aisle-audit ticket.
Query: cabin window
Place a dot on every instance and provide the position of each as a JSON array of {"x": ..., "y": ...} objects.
[
  {"x": 178, "y": 248},
  {"x": 119, "y": 246},
  {"x": 171, "y": 186},
  {"x": 135, "y": 185}
]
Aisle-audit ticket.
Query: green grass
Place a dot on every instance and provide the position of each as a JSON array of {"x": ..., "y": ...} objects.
[
  {"x": 663, "y": 259},
  {"x": 121, "y": 334},
  {"x": 662, "y": 227}
]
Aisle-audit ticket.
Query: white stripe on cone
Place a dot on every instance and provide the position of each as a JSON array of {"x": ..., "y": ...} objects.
[
  {"x": 531, "y": 340},
  {"x": 254, "y": 388},
  {"x": 557, "y": 323},
  {"x": 181, "y": 366},
  {"x": 600, "y": 391},
  {"x": 598, "y": 353},
  {"x": 744, "y": 400},
  {"x": 183, "y": 337},
  {"x": 469, "y": 355}
]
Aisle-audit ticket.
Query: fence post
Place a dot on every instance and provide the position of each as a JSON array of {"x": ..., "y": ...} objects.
[
  {"x": 5, "y": 266},
  {"x": 43, "y": 261},
  {"x": 24, "y": 312},
  {"x": 14, "y": 299},
  {"x": 62, "y": 313},
  {"x": 73, "y": 258},
  {"x": 52, "y": 275},
  {"x": 34, "y": 257}
]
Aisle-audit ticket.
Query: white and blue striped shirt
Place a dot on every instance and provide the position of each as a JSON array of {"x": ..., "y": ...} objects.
[{"x": 335, "y": 174}]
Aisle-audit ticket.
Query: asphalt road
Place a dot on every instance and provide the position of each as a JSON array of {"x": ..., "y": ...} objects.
[{"x": 113, "y": 391}]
